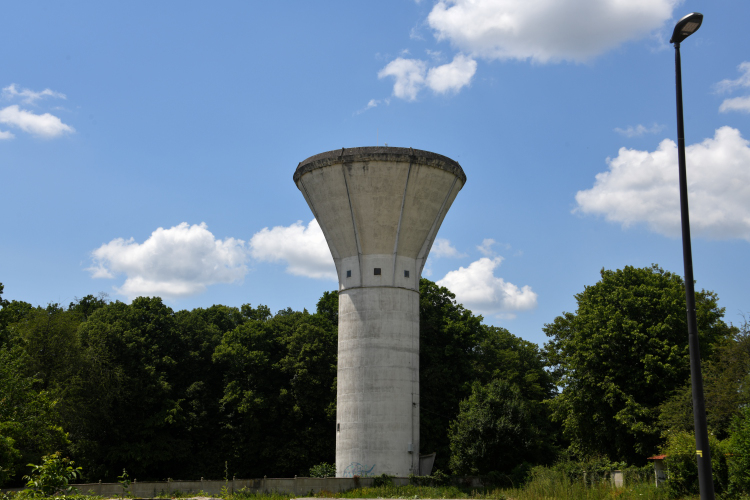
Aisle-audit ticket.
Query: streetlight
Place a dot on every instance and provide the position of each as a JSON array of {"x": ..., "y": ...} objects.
[{"x": 684, "y": 28}]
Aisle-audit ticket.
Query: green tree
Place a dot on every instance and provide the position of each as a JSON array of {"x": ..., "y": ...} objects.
[
  {"x": 86, "y": 306},
  {"x": 131, "y": 413},
  {"x": 621, "y": 355},
  {"x": 457, "y": 351},
  {"x": 328, "y": 307},
  {"x": 12, "y": 312},
  {"x": 278, "y": 400},
  {"x": 49, "y": 337},
  {"x": 30, "y": 424},
  {"x": 498, "y": 428},
  {"x": 739, "y": 454},
  {"x": 726, "y": 385},
  {"x": 448, "y": 337}
]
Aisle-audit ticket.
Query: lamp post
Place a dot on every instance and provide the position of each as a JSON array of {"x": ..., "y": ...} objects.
[{"x": 684, "y": 28}]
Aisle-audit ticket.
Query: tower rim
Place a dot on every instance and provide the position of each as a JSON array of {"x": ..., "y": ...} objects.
[{"x": 379, "y": 153}]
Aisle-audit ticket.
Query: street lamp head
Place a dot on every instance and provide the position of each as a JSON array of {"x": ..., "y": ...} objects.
[{"x": 686, "y": 27}]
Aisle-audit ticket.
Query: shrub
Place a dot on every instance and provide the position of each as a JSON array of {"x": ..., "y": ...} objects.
[
  {"x": 739, "y": 454},
  {"x": 682, "y": 464},
  {"x": 53, "y": 476},
  {"x": 383, "y": 480},
  {"x": 323, "y": 469}
]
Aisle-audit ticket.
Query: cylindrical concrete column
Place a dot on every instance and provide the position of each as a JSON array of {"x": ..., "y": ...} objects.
[
  {"x": 377, "y": 396},
  {"x": 380, "y": 210}
]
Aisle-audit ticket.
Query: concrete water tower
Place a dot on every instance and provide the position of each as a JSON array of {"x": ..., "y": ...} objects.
[{"x": 380, "y": 209}]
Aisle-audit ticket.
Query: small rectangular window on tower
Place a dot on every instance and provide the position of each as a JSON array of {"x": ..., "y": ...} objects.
[
  {"x": 348, "y": 274},
  {"x": 406, "y": 273},
  {"x": 377, "y": 271}
]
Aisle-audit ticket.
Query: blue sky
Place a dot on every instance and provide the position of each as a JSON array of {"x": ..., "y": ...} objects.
[{"x": 149, "y": 148}]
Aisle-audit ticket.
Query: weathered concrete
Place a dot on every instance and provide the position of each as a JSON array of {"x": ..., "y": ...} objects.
[
  {"x": 380, "y": 209},
  {"x": 289, "y": 486}
]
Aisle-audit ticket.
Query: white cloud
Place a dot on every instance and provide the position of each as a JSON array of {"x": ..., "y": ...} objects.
[
  {"x": 412, "y": 75},
  {"x": 304, "y": 249},
  {"x": 545, "y": 30},
  {"x": 175, "y": 262},
  {"x": 443, "y": 248},
  {"x": 45, "y": 125},
  {"x": 4, "y": 135},
  {"x": 453, "y": 76},
  {"x": 486, "y": 247},
  {"x": 477, "y": 288},
  {"x": 409, "y": 75},
  {"x": 639, "y": 130},
  {"x": 742, "y": 81},
  {"x": 736, "y": 104},
  {"x": 373, "y": 103},
  {"x": 29, "y": 96},
  {"x": 642, "y": 187}
]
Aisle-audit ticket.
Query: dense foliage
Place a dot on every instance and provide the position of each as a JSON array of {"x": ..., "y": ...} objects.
[
  {"x": 682, "y": 464},
  {"x": 225, "y": 391},
  {"x": 623, "y": 353},
  {"x": 188, "y": 393}
]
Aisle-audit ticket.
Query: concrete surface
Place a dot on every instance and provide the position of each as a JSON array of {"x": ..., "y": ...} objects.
[{"x": 380, "y": 209}]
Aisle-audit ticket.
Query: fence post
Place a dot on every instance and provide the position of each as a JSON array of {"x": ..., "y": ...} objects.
[{"x": 233, "y": 479}]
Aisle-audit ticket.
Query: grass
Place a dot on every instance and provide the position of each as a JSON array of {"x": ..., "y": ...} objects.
[
  {"x": 546, "y": 484},
  {"x": 412, "y": 491}
]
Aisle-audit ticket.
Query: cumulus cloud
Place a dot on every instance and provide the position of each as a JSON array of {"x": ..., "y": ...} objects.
[
  {"x": 639, "y": 130},
  {"x": 45, "y": 125},
  {"x": 443, "y": 248},
  {"x": 477, "y": 288},
  {"x": 453, "y": 76},
  {"x": 412, "y": 75},
  {"x": 642, "y": 187},
  {"x": 742, "y": 81},
  {"x": 408, "y": 74},
  {"x": 545, "y": 30},
  {"x": 736, "y": 104},
  {"x": 176, "y": 262},
  {"x": 29, "y": 96},
  {"x": 5, "y": 135},
  {"x": 303, "y": 249}
]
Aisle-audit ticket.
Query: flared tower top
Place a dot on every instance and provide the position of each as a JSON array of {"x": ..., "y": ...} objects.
[{"x": 379, "y": 153}]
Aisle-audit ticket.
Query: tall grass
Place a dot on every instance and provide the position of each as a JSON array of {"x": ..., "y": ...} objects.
[
  {"x": 548, "y": 484},
  {"x": 544, "y": 484},
  {"x": 413, "y": 491}
]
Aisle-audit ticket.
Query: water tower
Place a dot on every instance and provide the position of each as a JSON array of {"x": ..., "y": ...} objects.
[{"x": 380, "y": 209}]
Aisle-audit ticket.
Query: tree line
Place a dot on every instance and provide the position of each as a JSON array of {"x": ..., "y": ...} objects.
[{"x": 223, "y": 391}]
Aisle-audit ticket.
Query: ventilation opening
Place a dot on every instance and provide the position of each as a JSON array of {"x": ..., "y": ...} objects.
[
  {"x": 406, "y": 273},
  {"x": 377, "y": 271}
]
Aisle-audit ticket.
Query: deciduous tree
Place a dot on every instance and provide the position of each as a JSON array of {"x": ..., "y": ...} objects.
[{"x": 621, "y": 354}]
